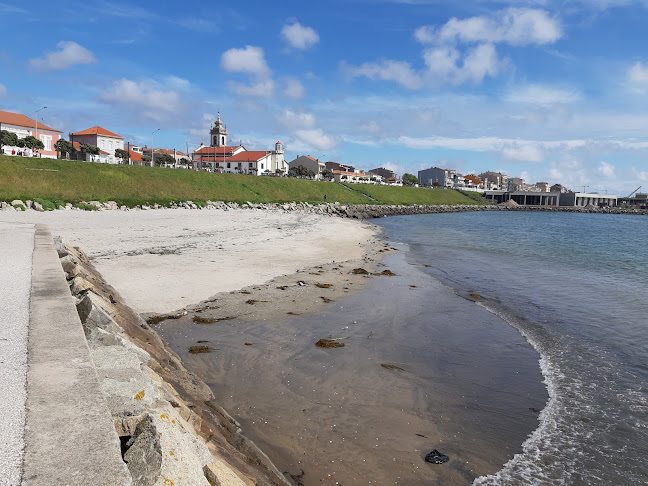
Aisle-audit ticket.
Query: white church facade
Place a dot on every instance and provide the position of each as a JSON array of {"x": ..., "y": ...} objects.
[{"x": 220, "y": 157}]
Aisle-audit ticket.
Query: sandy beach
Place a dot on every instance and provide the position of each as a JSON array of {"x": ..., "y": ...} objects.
[{"x": 164, "y": 260}]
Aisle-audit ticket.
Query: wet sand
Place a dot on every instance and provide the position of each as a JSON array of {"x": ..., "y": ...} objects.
[{"x": 455, "y": 377}]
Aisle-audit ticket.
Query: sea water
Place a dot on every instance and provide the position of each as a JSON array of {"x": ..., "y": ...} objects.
[
  {"x": 515, "y": 343},
  {"x": 576, "y": 287}
]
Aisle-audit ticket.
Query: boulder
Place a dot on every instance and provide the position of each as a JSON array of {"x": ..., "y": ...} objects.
[{"x": 38, "y": 207}]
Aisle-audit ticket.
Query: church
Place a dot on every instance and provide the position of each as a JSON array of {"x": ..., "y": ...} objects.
[{"x": 236, "y": 159}]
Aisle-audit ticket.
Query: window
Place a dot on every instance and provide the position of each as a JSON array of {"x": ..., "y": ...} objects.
[
  {"x": 47, "y": 141},
  {"x": 261, "y": 166},
  {"x": 222, "y": 140},
  {"x": 251, "y": 165},
  {"x": 228, "y": 165}
]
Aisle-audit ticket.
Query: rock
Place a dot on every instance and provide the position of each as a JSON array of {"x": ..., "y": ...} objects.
[
  {"x": 79, "y": 285},
  {"x": 38, "y": 207},
  {"x": 218, "y": 474},
  {"x": 436, "y": 457},
  {"x": 144, "y": 454},
  {"x": 3, "y": 205},
  {"x": 61, "y": 248},
  {"x": 17, "y": 202}
]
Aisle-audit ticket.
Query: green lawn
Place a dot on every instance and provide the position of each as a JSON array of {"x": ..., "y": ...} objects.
[
  {"x": 63, "y": 181},
  {"x": 411, "y": 195}
]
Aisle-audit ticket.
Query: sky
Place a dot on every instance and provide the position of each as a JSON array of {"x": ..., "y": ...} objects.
[{"x": 547, "y": 90}]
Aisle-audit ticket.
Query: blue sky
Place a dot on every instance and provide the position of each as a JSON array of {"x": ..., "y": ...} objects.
[{"x": 547, "y": 90}]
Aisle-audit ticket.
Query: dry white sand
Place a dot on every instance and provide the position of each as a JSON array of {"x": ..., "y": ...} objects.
[{"x": 163, "y": 260}]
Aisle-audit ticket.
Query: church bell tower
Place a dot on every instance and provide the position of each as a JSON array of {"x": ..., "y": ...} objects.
[{"x": 218, "y": 134}]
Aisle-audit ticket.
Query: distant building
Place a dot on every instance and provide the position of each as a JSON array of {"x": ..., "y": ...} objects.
[
  {"x": 333, "y": 166},
  {"x": 515, "y": 184},
  {"x": 349, "y": 176},
  {"x": 559, "y": 188},
  {"x": 382, "y": 172},
  {"x": 494, "y": 180},
  {"x": 106, "y": 140},
  {"x": 584, "y": 199},
  {"x": 24, "y": 126},
  {"x": 437, "y": 177},
  {"x": 219, "y": 157},
  {"x": 524, "y": 198},
  {"x": 309, "y": 163},
  {"x": 542, "y": 186}
]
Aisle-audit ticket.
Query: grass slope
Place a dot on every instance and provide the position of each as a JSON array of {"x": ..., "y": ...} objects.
[{"x": 62, "y": 181}]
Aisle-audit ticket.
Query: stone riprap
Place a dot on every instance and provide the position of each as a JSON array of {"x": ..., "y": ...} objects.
[
  {"x": 357, "y": 211},
  {"x": 171, "y": 430}
]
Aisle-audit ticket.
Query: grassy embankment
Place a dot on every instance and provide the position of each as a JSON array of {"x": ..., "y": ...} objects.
[{"x": 61, "y": 181}]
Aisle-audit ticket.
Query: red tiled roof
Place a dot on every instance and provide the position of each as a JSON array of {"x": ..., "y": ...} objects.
[
  {"x": 22, "y": 121},
  {"x": 345, "y": 172},
  {"x": 97, "y": 131},
  {"x": 167, "y": 151},
  {"x": 248, "y": 156},
  {"x": 218, "y": 150},
  {"x": 135, "y": 156}
]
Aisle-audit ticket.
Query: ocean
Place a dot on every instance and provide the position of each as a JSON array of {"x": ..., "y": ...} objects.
[
  {"x": 514, "y": 343},
  {"x": 574, "y": 285}
]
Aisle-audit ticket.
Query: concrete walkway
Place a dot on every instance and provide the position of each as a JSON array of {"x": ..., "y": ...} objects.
[
  {"x": 17, "y": 243},
  {"x": 64, "y": 424}
]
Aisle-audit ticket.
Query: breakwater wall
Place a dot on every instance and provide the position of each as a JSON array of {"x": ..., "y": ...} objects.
[{"x": 359, "y": 211}]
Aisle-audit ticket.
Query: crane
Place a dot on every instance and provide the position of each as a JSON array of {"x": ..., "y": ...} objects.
[{"x": 632, "y": 193}]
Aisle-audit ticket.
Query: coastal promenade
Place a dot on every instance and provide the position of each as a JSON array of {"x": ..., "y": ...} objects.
[{"x": 56, "y": 428}]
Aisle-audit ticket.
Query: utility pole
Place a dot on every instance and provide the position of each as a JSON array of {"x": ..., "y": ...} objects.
[{"x": 36, "y": 118}]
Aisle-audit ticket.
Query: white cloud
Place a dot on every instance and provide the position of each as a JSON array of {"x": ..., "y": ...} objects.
[
  {"x": 299, "y": 36},
  {"x": 314, "y": 139},
  {"x": 144, "y": 98},
  {"x": 296, "y": 120},
  {"x": 514, "y": 26},
  {"x": 542, "y": 95},
  {"x": 259, "y": 89},
  {"x": 250, "y": 60},
  {"x": 387, "y": 70},
  {"x": 444, "y": 64},
  {"x": 3, "y": 91},
  {"x": 640, "y": 175},
  {"x": 606, "y": 170},
  {"x": 637, "y": 77},
  {"x": 293, "y": 89},
  {"x": 69, "y": 54}
]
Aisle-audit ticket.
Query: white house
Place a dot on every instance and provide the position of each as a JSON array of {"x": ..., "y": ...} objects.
[{"x": 106, "y": 140}]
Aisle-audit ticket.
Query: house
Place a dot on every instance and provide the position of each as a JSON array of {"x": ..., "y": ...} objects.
[
  {"x": 24, "y": 126},
  {"x": 583, "y": 199},
  {"x": 106, "y": 140},
  {"x": 382, "y": 172},
  {"x": 219, "y": 157},
  {"x": 350, "y": 176},
  {"x": 153, "y": 153},
  {"x": 102, "y": 158},
  {"x": 309, "y": 163},
  {"x": 437, "y": 177},
  {"x": 333, "y": 166}
]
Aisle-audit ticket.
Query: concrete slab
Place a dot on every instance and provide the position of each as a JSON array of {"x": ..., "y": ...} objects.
[
  {"x": 17, "y": 243},
  {"x": 69, "y": 435}
]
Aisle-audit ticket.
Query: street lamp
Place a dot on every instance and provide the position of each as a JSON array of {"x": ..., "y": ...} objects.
[
  {"x": 152, "y": 151},
  {"x": 36, "y": 118}
]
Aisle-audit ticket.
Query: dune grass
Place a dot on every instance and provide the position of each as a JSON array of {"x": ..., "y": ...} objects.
[{"x": 60, "y": 181}]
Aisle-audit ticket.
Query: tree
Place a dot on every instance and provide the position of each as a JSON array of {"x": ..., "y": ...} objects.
[
  {"x": 32, "y": 143},
  {"x": 146, "y": 158},
  {"x": 86, "y": 148},
  {"x": 65, "y": 148},
  {"x": 8, "y": 138},
  {"x": 164, "y": 159},
  {"x": 123, "y": 154},
  {"x": 327, "y": 174},
  {"x": 410, "y": 180}
]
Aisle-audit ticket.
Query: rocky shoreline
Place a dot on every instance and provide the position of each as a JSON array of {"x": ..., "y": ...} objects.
[
  {"x": 332, "y": 209},
  {"x": 171, "y": 429}
]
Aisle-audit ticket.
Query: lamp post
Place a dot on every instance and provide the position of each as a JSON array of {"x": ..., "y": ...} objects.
[
  {"x": 36, "y": 118},
  {"x": 152, "y": 150}
]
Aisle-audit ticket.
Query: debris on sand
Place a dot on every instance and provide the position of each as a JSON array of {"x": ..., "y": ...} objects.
[
  {"x": 245, "y": 292},
  {"x": 476, "y": 296},
  {"x": 157, "y": 319},
  {"x": 203, "y": 309},
  {"x": 291, "y": 313},
  {"x": 248, "y": 344},
  {"x": 323, "y": 286},
  {"x": 436, "y": 457},
  {"x": 326, "y": 299},
  {"x": 202, "y": 341},
  {"x": 329, "y": 343},
  {"x": 199, "y": 349},
  {"x": 301, "y": 283},
  {"x": 205, "y": 320},
  {"x": 389, "y": 366},
  {"x": 359, "y": 271},
  {"x": 387, "y": 273},
  {"x": 412, "y": 286},
  {"x": 282, "y": 287},
  {"x": 252, "y": 301}
]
